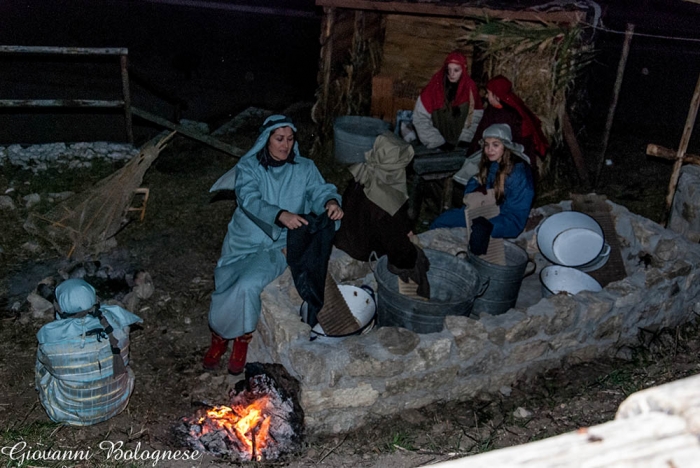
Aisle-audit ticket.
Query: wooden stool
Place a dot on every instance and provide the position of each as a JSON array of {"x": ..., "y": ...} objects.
[{"x": 142, "y": 209}]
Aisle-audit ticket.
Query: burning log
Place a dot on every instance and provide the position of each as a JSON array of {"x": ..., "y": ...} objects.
[{"x": 263, "y": 420}]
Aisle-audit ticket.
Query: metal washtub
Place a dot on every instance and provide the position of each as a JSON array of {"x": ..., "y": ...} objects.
[
  {"x": 504, "y": 280},
  {"x": 454, "y": 284}
]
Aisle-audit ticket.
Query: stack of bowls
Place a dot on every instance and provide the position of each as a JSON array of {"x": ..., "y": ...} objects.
[{"x": 575, "y": 243}]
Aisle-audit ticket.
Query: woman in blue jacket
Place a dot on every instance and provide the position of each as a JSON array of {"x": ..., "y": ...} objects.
[
  {"x": 274, "y": 187},
  {"x": 506, "y": 169}
]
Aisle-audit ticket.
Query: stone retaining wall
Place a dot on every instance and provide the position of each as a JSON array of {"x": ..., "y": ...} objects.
[
  {"x": 348, "y": 382},
  {"x": 685, "y": 213}
]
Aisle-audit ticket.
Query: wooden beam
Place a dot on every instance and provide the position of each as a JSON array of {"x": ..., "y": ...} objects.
[
  {"x": 438, "y": 9},
  {"x": 64, "y": 50},
  {"x": 60, "y": 103},
  {"x": 124, "y": 65},
  {"x": 665, "y": 153},
  {"x": 213, "y": 142}
]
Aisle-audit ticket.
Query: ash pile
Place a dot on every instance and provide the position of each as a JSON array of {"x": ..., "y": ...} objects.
[{"x": 263, "y": 420}]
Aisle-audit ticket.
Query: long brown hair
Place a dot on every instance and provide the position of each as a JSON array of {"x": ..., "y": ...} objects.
[{"x": 505, "y": 167}]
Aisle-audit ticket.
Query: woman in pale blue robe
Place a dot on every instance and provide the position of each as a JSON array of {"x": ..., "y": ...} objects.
[{"x": 274, "y": 184}]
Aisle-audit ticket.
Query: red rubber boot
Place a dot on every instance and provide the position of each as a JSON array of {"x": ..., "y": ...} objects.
[
  {"x": 236, "y": 363},
  {"x": 216, "y": 350}
]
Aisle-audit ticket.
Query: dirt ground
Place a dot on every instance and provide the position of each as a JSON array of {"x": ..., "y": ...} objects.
[{"x": 178, "y": 243}]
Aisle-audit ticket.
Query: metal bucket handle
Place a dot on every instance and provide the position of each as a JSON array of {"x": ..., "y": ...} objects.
[
  {"x": 485, "y": 284},
  {"x": 373, "y": 258},
  {"x": 534, "y": 268},
  {"x": 525, "y": 275}
]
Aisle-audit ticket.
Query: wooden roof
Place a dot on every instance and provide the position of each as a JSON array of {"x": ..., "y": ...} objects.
[{"x": 522, "y": 10}]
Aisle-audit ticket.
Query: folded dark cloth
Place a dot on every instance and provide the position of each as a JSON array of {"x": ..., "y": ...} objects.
[
  {"x": 308, "y": 250},
  {"x": 419, "y": 273},
  {"x": 480, "y": 236}
]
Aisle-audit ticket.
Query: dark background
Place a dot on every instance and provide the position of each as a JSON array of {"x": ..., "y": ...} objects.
[{"x": 217, "y": 61}]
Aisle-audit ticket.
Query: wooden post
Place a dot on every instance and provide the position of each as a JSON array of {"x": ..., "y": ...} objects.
[
  {"x": 616, "y": 93},
  {"x": 576, "y": 153},
  {"x": 123, "y": 62},
  {"x": 687, "y": 131},
  {"x": 327, "y": 53}
]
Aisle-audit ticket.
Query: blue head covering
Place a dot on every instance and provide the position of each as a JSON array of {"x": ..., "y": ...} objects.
[
  {"x": 272, "y": 123},
  {"x": 75, "y": 295}
]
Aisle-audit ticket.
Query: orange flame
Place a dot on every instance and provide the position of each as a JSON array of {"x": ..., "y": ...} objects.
[{"x": 248, "y": 424}]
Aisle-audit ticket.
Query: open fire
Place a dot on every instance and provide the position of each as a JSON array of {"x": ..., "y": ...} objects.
[{"x": 262, "y": 422}]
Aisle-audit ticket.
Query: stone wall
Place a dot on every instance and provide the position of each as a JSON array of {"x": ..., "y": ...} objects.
[
  {"x": 685, "y": 213},
  {"x": 40, "y": 157},
  {"x": 348, "y": 382}
]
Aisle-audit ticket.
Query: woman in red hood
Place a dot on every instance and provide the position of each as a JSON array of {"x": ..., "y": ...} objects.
[
  {"x": 505, "y": 107},
  {"x": 449, "y": 107}
]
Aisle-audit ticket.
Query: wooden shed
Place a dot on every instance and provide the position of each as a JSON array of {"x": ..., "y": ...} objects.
[{"x": 377, "y": 55}]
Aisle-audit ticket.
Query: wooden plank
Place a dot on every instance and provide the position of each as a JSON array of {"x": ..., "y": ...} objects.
[
  {"x": 415, "y": 47},
  {"x": 213, "y": 142},
  {"x": 661, "y": 152},
  {"x": 382, "y": 96},
  {"x": 439, "y": 9},
  {"x": 596, "y": 207}
]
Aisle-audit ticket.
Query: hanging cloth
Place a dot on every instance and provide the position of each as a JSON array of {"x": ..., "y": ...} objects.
[
  {"x": 308, "y": 250},
  {"x": 531, "y": 124}
]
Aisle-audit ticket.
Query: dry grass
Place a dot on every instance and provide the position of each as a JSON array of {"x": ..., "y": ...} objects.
[{"x": 542, "y": 60}]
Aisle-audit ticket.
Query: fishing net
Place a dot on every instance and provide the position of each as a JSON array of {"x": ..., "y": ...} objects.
[{"x": 86, "y": 223}]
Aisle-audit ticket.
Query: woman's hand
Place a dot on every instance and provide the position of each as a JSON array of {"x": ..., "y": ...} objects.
[
  {"x": 335, "y": 212},
  {"x": 292, "y": 220}
]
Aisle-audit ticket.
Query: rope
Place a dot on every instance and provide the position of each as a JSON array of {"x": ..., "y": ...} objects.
[{"x": 675, "y": 38}]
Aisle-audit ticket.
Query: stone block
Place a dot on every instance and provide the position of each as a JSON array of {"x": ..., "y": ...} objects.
[
  {"x": 609, "y": 328},
  {"x": 565, "y": 314},
  {"x": 526, "y": 329},
  {"x": 469, "y": 334},
  {"x": 525, "y": 353},
  {"x": 685, "y": 213},
  {"x": 363, "y": 395},
  {"x": 464, "y": 327},
  {"x": 428, "y": 381},
  {"x": 565, "y": 341},
  {"x": 594, "y": 306},
  {"x": 435, "y": 351},
  {"x": 497, "y": 336},
  {"x": 308, "y": 365},
  {"x": 678, "y": 268},
  {"x": 668, "y": 250},
  {"x": 363, "y": 364},
  {"x": 485, "y": 363},
  {"x": 398, "y": 341},
  {"x": 343, "y": 268}
]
